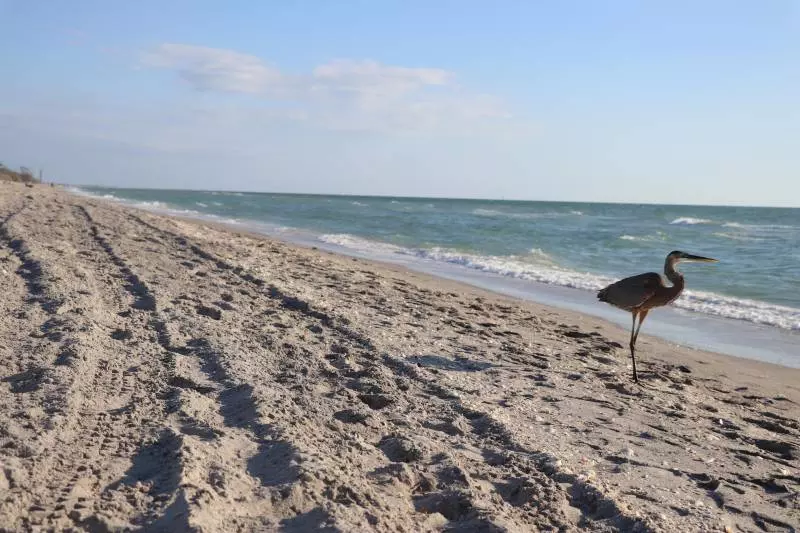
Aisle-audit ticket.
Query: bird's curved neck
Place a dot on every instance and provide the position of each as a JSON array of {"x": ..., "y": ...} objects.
[{"x": 672, "y": 274}]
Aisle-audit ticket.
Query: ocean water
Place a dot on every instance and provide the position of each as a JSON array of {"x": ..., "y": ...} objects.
[{"x": 583, "y": 246}]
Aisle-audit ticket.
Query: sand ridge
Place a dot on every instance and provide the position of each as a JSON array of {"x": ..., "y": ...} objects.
[{"x": 159, "y": 374}]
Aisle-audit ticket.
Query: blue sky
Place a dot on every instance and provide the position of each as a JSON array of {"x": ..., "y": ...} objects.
[{"x": 629, "y": 101}]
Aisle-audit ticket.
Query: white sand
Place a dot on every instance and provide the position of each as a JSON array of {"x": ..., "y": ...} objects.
[{"x": 164, "y": 375}]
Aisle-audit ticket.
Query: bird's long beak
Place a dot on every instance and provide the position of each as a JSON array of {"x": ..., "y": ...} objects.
[{"x": 700, "y": 258}]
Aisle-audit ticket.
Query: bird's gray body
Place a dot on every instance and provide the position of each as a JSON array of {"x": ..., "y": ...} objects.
[
  {"x": 633, "y": 292},
  {"x": 639, "y": 294}
]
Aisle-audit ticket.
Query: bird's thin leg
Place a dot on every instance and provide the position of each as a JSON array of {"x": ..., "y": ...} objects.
[
  {"x": 632, "y": 345},
  {"x": 634, "y": 337},
  {"x": 642, "y": 316}
]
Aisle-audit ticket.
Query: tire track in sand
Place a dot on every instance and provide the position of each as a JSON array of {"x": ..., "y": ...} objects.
[
  {"x": 198, "y": 472},
  {"x": 149, "y": 485},
  {"x": 271, "y": 461},
  {"x": 516, "y": 472},
  {"x": 41, "y": 391},
  {"x": 104, "y": 403}
]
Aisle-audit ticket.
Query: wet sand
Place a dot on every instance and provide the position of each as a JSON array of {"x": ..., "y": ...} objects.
[{"x": 160, "y": 374}]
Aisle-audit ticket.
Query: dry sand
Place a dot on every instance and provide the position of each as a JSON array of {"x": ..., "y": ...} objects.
[{"x": 159, "y": 374}]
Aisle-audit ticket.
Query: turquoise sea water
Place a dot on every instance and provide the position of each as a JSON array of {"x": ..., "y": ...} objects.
[{"x": 578, "y": 245}]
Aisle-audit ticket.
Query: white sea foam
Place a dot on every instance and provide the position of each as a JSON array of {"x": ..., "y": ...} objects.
[
  {"x": 200, "y": 204},
  {"x": 492, "y": 213},
  {"x": 152, "y": 205},
  {"x": 690, "y": 221},
  {"x": 540, "y": 256},
  {"x": 765, "y": 228},
  {"x": 540, "y": 267},
  {"x": 217, "y": 218},
  {"x": 741, "y": 309},
  {"x": 162, "y": 207},
  {"x": 81, "y": 192},
  {"x": 643, "y": 238},
  {"x": 359, "y": 204},
  {"x": 360, "y": 244},
  {"x": 516, "y": 267},
  {"x": 535, "y": 266},
  {"x": 487, "y": 212}
]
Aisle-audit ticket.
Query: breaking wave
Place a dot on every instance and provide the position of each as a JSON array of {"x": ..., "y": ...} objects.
[
  {"x": 492, "y": 213},
  {"x": 540, "y": 267},
  {"x": 643, "y": 238},
  {"x": 691, "y": 221}
]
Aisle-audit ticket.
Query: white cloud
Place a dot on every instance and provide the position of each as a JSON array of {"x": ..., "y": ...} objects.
[
  {"x": 340, "y": 94},
  {"x": 215, "y": 69},
  {"x": 370, "y": 77}
]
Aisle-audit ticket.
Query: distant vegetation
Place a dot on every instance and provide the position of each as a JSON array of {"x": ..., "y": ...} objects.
[{"x": 23, "y": 175}]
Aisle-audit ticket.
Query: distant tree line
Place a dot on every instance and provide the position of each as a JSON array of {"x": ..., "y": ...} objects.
[{"x": 23, "y": 175}]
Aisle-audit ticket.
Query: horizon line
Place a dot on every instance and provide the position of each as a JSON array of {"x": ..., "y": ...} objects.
[{"x": 408, "y": 197}]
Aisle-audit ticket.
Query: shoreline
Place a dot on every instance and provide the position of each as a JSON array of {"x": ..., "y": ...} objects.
[
  {"x": 690, "y": 329},
  {"x": 736, "y": 338},
  {"x": 165, "y": 372}
]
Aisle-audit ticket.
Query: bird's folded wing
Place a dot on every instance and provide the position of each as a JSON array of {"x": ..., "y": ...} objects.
[{"x": 631, "y": 292}]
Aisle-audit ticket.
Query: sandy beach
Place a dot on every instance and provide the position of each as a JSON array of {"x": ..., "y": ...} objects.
[{"x": 161, "y": 374}]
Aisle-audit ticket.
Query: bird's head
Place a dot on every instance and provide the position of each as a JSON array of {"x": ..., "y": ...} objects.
[{"x": 678, "y": 257}]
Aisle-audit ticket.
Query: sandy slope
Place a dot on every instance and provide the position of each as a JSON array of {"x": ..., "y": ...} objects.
[{"x": 164, "y": 375}]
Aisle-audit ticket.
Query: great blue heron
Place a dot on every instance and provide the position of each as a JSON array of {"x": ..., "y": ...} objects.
[{"x": 639, "y": 294}]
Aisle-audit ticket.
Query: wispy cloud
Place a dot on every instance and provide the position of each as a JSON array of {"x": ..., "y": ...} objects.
[
  {"x": 372, "y": 78},
  {"x": 340, "y": 94},
  {"x": 215, "y": 69}
]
